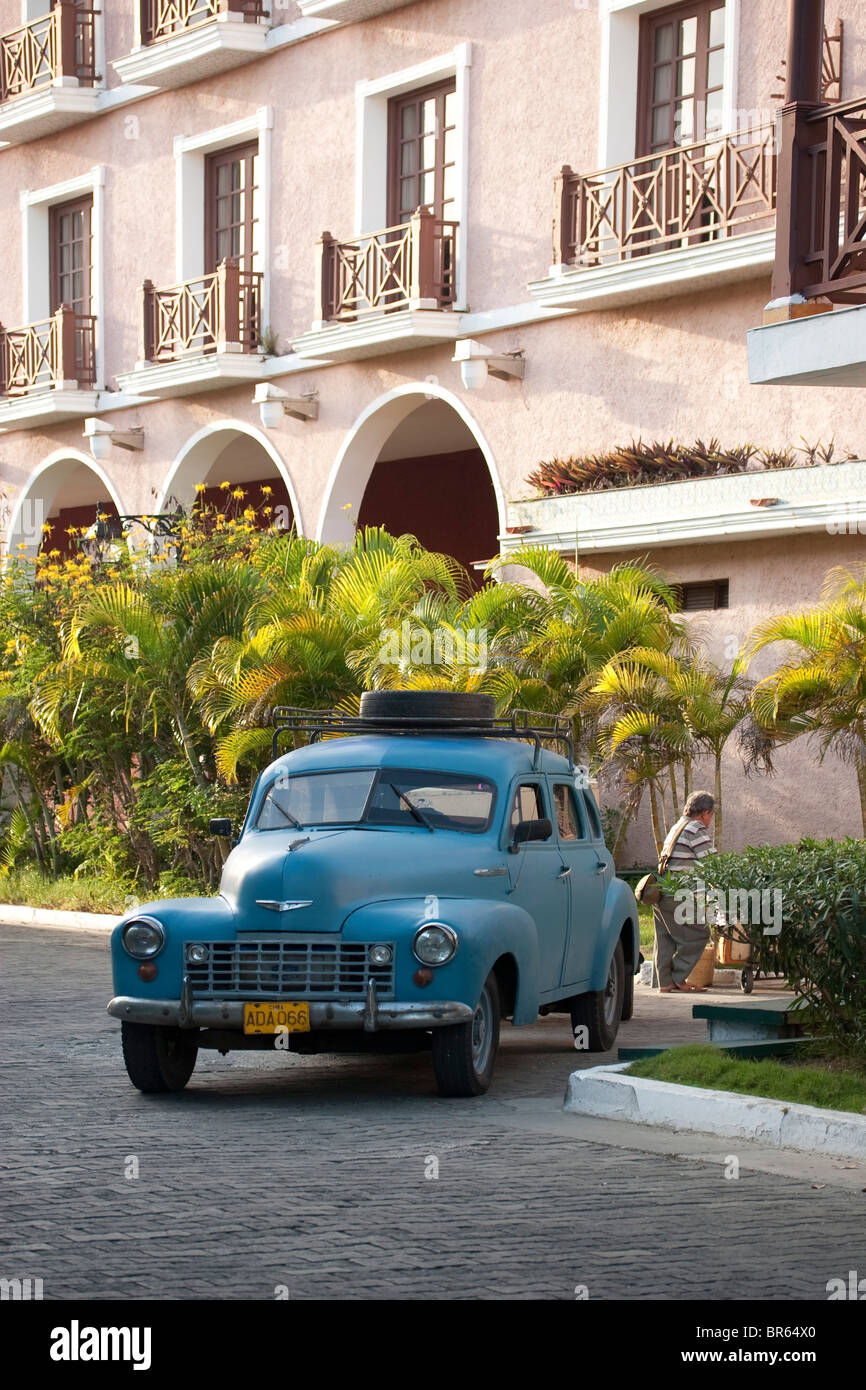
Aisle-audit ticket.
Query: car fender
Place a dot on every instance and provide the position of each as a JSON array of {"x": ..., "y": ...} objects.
[
  {"x": 485, "y": 931},
  {"x": 184, "y": 919},
  {"x": 620, "y": 906}
]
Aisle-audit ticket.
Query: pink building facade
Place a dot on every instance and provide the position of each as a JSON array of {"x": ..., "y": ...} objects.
[{"x": 385, "y": 258}]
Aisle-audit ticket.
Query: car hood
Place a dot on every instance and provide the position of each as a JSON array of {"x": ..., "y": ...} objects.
[{"x": 310, "y": 880}]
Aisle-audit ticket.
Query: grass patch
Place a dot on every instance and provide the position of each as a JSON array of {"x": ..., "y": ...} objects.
[
  {"x": 31, "y": 888},
  {"x": 647, "y": 930},
  {"x": 834, "y": 1084}
]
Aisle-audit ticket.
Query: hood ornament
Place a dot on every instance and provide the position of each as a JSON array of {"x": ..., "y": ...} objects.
[{"x": 287, "y": 905}]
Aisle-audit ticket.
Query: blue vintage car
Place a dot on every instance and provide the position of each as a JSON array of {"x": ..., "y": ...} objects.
[{"x": 403, "y": 881}]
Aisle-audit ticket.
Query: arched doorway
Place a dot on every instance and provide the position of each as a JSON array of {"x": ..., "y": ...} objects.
[
  {"x": 65, "y": 493},
  {"x": 416, "y": 461},
  {"x": 228, "y": 458}
]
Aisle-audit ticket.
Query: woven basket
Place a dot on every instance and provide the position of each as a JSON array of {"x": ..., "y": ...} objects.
[{"x": 702, "y": 975}]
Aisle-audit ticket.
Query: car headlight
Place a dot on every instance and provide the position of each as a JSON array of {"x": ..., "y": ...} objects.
[
  {"x": 380, "y": 955},
  {"x": 143, "y": 937},
  {"x": 435, "y": 944},
  {"x": 197, "y": 953}
]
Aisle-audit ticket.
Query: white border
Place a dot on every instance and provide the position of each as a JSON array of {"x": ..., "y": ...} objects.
[
  {"x": 371, "y": 145},
  {"x": 356, "y": 460},
  {"x": 34, "y": 241},
  {"x": 186, "y": 471},
  {"x": 618, "y": 76},
  {"x": 189, "y": 155}
]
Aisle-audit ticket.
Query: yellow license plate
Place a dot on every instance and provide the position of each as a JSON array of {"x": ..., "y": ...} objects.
[{"x": 277, "y": 1018}]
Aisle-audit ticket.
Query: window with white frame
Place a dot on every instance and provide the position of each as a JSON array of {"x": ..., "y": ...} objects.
[
  {"x": 646, "y": 98},
  {"x": 412, "y": 144},
  {"x": 223, "y": 181},
  {"x": 63, "y": 249}
]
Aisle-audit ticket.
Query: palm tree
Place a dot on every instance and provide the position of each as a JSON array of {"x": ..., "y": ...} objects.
[{"x": 820, "y": 688}]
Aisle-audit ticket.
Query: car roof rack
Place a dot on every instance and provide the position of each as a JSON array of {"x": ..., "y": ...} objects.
[{"x": 530, "y": 726}]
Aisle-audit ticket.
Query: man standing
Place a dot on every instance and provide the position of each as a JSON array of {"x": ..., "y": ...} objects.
[{"x": 679, "y": 944}]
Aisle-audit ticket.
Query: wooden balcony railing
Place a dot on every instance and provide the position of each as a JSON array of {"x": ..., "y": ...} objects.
[
  {"x": 217, "y": 312},
  {"x": 58, "y": 44},
  {"x": 161, "y": 19},
  {"x": 829, "y": 216},
  {"x": 58, "y": 352},
  {"x": 410, "y": 266},
  {"x": 682, "y": 197}
]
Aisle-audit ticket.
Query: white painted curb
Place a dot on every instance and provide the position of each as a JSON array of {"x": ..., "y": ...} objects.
[
  {"x": 610, "y": 1093},
  {"x": 18, "y": 915}
]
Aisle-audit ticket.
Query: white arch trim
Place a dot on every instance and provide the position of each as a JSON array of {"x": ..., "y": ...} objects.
[
  {"x": 354, "y": 464},
  {"x": 201, "y": 451},
  {"x": 27, "y": 527}
]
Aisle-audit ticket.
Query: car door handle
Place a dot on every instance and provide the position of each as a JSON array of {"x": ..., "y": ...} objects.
[
  {"x": 600, "y": 867},
  {"x": 564, "y": 872}
]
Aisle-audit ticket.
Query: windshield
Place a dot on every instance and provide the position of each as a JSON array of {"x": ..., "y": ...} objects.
[{"x": 379, "y": 796}]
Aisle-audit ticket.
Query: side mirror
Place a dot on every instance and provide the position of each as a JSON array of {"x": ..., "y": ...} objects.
[
  {"x": 531, "y": 830},
  {"x": 221, "y": 826}
]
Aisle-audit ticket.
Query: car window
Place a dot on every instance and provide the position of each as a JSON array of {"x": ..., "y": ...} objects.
[
  {"x": 592, "y": 813},
  {"x": 379, "y": 796},
  {"x": 528, "y": 804},
  {"x": 444, "y": 800},
  {"x": 317, "y": 798},
  {"x": 568, "y": 818}
]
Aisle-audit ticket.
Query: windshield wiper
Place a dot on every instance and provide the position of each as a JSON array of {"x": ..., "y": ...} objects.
[
  {"x": 288, "y": 815},
  {"x": 413, "y": 809}
]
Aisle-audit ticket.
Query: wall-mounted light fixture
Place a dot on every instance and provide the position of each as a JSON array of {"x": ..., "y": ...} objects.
[
  {"x": 273, "y": 404},
  {"x": 101, "y": 436},
  {"x": 477, "y": 363}
]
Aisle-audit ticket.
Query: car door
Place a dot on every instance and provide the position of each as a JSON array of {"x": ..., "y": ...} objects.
[
  {"x": 586, "y": 870},
  {"x": 536, "y": 880}
]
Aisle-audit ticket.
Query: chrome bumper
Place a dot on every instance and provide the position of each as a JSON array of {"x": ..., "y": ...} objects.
[{"x": 370, "y": 1014}]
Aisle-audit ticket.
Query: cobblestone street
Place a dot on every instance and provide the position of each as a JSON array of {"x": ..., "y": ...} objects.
[{"x": 310, "y": 1173}]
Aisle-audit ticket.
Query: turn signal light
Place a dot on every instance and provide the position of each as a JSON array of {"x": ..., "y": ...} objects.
[
  {"x": 420, "y": 978},
  {"x": 148, "y": 971}
]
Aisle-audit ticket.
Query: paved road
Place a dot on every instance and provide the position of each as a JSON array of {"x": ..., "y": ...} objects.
[{"x": 311, "y": 1174}]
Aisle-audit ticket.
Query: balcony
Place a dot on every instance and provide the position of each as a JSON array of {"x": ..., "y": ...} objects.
[
  {"x": 701, "y": 511},
  {"x": 821, "y": 261},
  {"x": 347, "y": 11},
  {"x": 198, "y": 335},
  {"x": 48, "y": 370},
  {"x": 669, "y": 223},
  {"x": 47, "y": 73},
  {"x": 385, "y": 291},
  {"x": 185, "y": 40}
]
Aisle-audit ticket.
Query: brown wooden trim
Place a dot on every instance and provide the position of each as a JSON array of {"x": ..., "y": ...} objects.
[
  {"x": 649, "y": 23},
  {"x": 55, "y": 213},
  {"x": 213, "y": 163},
  {"x": 396, "y": 106}
]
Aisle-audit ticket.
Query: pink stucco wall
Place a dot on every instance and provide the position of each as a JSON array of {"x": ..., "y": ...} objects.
[{"x": 670, "y": 367}]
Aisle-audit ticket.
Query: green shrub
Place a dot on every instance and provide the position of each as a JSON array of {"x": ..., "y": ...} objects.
[{"x": 821, "y": 941}]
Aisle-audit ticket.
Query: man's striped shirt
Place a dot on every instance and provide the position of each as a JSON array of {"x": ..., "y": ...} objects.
[{"x": 694, "y": 843}]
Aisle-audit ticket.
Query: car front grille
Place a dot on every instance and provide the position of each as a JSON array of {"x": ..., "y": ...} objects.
[{"x": 290, "y": 970}]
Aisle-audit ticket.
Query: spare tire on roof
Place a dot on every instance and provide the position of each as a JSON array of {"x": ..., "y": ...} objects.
[{"x": 458, "y": 706}]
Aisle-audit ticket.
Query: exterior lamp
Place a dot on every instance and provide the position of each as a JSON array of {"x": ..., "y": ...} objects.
[
  {"x": 477, "y": 362},
  {"x": 100, "y": 435},
  {"x": 273, "y": 404}
]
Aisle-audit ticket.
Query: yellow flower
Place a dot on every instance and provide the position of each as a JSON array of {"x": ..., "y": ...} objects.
[
  {"x": 46, "y": 528},
  {"x": 239, "y": 493},
  {"x": 249, "y": 514},
  {"x": 225, "y": 485},
  {"x": 266, "y": 491},
  {"x": 200, "y": 487}
]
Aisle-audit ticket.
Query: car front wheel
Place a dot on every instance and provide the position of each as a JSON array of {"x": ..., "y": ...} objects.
[
  {"x": 464, "y": 1054},
  {"x": 601, "y": 1010},
  {"x": 158, "y": 1059}
]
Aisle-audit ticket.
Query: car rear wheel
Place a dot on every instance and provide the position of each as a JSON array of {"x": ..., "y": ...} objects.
[
  {"x": 600, "y": 1011},
  {"x": 464, "y": 1054},
  {"x": 158, "y": 1059}
]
